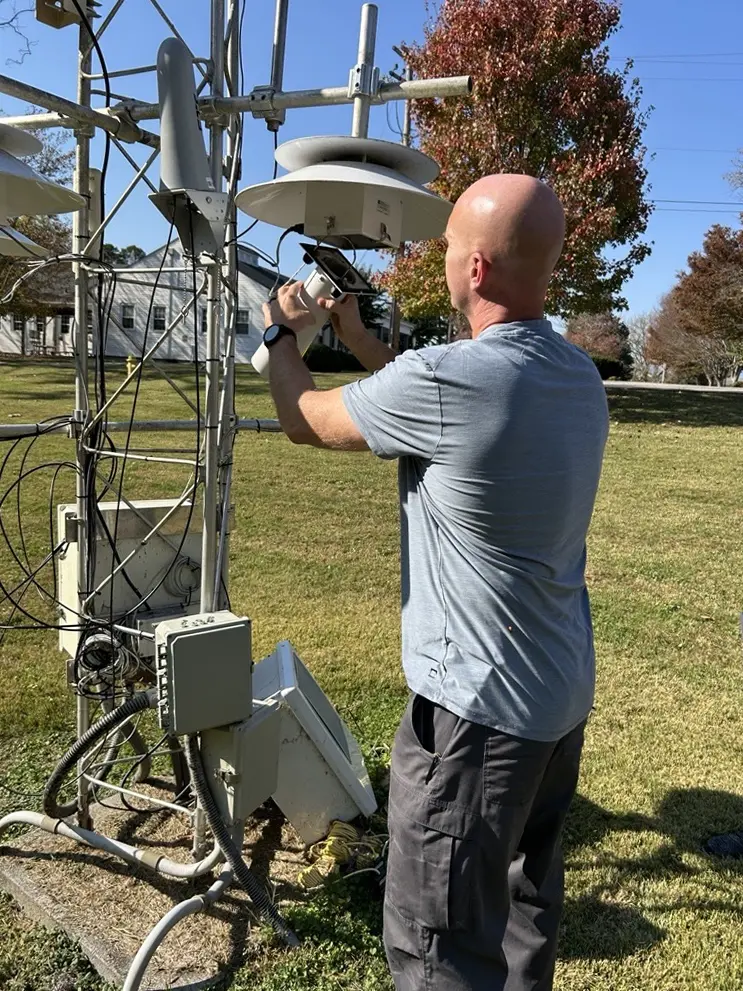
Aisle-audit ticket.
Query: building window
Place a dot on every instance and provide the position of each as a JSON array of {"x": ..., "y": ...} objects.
[
  {"x": 19, "y": 324},
  {"x": 90, "y": 320},
  {"x": 203, "y": 319},
  {"x": 64, "y": 323},
  {"x": 158, "y": 318},
  {"x": 242, "y": 324},
  {"x": 127, "y": 316}
]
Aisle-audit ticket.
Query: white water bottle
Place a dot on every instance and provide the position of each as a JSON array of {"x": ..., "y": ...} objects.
[{"x": 317, "y": 286}]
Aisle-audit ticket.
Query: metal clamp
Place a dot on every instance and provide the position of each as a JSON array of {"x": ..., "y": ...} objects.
[
  {"x": 128, "y": 130},
  {"x": 210, "y": 114},
  {"x": 363, "y": 80},
  {"x": 262, "y": 105}
]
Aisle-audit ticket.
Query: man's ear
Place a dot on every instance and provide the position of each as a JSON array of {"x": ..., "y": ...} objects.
[{"x": 479, "y": 268}]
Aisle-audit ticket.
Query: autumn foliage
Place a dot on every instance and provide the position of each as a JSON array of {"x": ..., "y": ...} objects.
[
  {"x": 699, "y": 327},
  {"x": 606, "y": 339},
  {"x": 546, "y": 104}
]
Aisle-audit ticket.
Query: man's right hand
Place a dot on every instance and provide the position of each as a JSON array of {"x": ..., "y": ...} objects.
[{"x": 344, "y": 315}]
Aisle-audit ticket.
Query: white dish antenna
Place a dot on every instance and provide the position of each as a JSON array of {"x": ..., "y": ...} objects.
[{"x": 351, "y": 192}]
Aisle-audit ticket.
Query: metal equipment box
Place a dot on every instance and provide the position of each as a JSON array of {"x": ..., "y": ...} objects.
[
  {"x": 242, "y": 762},
  {"x": 203, "y": 672},
  {"x": 168, "y": 560}
]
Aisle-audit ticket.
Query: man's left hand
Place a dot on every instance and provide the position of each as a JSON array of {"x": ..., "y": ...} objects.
[{"x": 291, "y": 310}]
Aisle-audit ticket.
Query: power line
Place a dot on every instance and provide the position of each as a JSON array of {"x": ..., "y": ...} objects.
[
  {"x": 710, "y": 151},
  {"x": 679, "y": 209},
  {"x": 693, "y": 55},
  {"x": 693, "y": 79},
  {"x": 704, "y": 202},
  {"x": 660, "y": 61}
]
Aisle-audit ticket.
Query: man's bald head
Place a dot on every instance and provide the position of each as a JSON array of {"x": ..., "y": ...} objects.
[{"x": 504, "y": 238}]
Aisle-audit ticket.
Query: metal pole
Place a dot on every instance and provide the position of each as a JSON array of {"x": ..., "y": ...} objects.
[
  {"x": 11, "y": 431},
  {"x": 210, "y": 530},
  {"x": 406, "y": 121},
  {"x": 211, "y": 458},
  {"x": 363, "y": 72},
  {"x": 395, "y": 314},
  {"x": 258, "y": 101},
  {"x": 80, "y": 112},
  {"x": 80, "y": 238},
  {"x": 279, "y": 45},
  {"x": 227, "y": 416}
]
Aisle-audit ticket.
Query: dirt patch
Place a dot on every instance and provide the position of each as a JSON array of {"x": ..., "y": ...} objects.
[{"x": 110, "y": 906}]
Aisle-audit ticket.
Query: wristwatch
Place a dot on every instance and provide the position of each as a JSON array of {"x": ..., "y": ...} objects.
[{"x": 275, "y": 332}]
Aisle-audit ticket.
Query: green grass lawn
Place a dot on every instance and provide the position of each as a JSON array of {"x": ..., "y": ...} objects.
[{"x": 315, "y": 560}]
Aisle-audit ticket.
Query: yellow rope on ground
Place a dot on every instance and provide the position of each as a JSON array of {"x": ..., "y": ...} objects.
[{"x": 344, "y": 846}]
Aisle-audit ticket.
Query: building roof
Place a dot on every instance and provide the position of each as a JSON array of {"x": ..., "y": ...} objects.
[{"x": 248, "y": 265}]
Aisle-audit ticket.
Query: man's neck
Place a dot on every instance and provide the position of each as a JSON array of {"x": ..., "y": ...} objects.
[{"x": 487, "y": 314}]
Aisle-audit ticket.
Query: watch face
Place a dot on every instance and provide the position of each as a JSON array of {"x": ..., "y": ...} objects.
[{"x": 271, "y": 334}]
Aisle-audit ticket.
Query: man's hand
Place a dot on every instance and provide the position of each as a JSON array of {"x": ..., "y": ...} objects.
[
  {"x": 291, "y": 310},
  {"x": 344, "y": 315}
]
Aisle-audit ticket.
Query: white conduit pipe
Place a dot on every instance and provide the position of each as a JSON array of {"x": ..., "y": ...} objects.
[
  {"x": 198, "y": 903},
  {"x": 133, "y": 855}
]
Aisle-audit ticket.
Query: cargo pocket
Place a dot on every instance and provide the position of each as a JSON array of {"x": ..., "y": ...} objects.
[{"x": 431, "y": 860}]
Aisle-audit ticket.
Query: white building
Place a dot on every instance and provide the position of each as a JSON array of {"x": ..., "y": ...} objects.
[{"x": 140, "y": 302}]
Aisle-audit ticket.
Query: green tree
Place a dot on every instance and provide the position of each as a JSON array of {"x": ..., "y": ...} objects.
[
  {"x": 123, "y": 256},
  {"x": 546, "y": 103}
]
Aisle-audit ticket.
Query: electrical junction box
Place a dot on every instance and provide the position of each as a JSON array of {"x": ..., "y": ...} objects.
[
  {"x": 59, "y": 13},
  {"x": 241, "y": 762},
  {"x": 321, "y": 776},
  {"x": 369, "y": 214},
  {"x": 203, "y": 672},
  {"x": 169, "y": 558}
]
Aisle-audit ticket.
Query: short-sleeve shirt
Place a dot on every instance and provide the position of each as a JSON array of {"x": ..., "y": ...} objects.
[{"x": 500, "y": 442}]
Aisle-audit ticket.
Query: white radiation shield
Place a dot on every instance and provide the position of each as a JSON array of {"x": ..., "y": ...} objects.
[
  {"x": 351, "y": 192},
  {"x": 22, "y": 190},
  {"x": 13, "y": 244}
]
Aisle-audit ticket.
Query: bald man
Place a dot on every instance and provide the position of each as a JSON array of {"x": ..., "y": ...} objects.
[{"x": 500, "y": 441}]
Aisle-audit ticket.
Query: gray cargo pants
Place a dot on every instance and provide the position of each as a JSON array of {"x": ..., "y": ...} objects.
[{"x": 474, "y": 888}]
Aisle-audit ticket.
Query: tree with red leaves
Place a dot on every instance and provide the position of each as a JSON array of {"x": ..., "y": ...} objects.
[
  {"x": 546, "y": 103},
  {"x": 606, "y": 339},
  {"x": 699, "y": 328}
]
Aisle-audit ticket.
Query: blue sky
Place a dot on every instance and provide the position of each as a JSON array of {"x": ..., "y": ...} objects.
[{"x": 689, "y": 59}]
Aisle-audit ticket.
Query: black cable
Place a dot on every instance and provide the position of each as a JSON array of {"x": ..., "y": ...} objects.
[
  {"x": 250, "y": 227},
  {"x": 130, "y": 426},
  {"x": 289, "y": 230},
  {"x": 51, "y": 423},
  {"x": 31, "y": 471},
  {"x": 242, "y": 873},
  {"x": 137, "y": 703},
  {"x": 27, "y": 583},
  {"x": 192, "y": 506}
]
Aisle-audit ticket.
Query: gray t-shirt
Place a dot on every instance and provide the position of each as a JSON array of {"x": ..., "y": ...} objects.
[{"x": 500, "y": 441}]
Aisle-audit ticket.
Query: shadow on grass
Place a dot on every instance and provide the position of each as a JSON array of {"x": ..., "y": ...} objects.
[
  {"x": 596, "y": 928},
  {"x": 687, "y": 409},
  {"x": 345, "y": 920}
]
